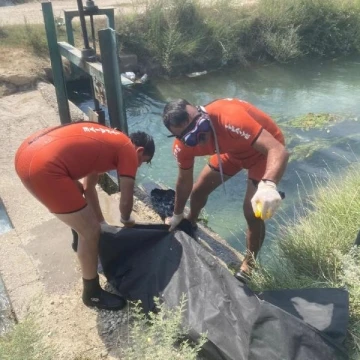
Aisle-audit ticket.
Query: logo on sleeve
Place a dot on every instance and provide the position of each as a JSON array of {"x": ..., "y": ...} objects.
[
  {"x": 238, "y": 131},
  {"x": 100, "y": 130}
]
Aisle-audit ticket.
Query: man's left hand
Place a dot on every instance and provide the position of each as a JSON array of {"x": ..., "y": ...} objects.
[{"x": 266, "y": 200}]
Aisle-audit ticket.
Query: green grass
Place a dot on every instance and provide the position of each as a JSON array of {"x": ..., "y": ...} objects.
[
  {"x": 32, "y": 37},
  {"x": 156, "y": 336},
  {"x": 179, "y": 36},
  {"x": 316, "y": 250},
  {"x": 175, "y": 37},
  {"x": 24, "y": 342}
]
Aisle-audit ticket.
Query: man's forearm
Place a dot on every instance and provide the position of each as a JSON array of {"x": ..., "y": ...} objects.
[
  {"x": 183, "y": 190},
  {"x": 126, "y": 206},
  {"x": 276, "y": 164}
]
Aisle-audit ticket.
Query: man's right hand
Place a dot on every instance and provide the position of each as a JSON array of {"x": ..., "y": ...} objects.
[
  {"x": 175, "y": 220},
  {"x": 130, "y": 222}
]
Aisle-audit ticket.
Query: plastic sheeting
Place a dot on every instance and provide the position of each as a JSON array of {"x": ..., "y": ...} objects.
[{"x": 148, "y": 261}]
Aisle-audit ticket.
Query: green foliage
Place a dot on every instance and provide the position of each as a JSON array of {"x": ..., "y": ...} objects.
[
  {"x": 313, "y": 121},
  {"x": 168, "y": 31},
  {"x": 303, "y": 151},
  {"x": 24, "y": 342},
  {"x": 183, "y": 36},
  {"x": 203, "y": 217},
  {"x": 316, "y": 250},
  {"x": 191, "y": 34},
  {"x": 159, "y": 336},
  {"x": 290, "y": 29},
  {"x": 31, "y": 37},
  {"x": 330, "y": 28},
  {"x": 36, "y": 40},
  {"x": 17, "y": 2}
]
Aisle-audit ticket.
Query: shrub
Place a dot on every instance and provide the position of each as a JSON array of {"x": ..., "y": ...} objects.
[
  {"x": 159, "y": 335},
  {"x": 24, "y": 342},
  {"x": 191, "y": 34}
]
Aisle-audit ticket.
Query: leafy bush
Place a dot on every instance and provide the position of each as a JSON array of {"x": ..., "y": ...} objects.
[
  {"x": 190, "y": 34},
  {"x": 159, "y": 335}
]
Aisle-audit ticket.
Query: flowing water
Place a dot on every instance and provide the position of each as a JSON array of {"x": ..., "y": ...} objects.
[
  {"x": 283, "y": 91},
  {"x": 5, "y": 224}
]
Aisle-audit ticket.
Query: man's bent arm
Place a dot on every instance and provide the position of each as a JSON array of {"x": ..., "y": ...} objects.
[
  {"x": 184, "y": 186},
  {"x": 277, "y": 156},
  {"x": 91, "y": 195},
  {"x": 127, "y": 196}
]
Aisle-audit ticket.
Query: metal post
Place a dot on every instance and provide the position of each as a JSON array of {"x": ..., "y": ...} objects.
[
  {"x": 56, "y": 63},
  {"x": 112, "y": 79},
  {"x": 83, "y": 24},
  {"x": 110, "y": 18},
  {"x": 69, "y": 30}
]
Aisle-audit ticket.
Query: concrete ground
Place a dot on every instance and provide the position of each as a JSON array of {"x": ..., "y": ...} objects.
[{"x": 37, "y": 265}]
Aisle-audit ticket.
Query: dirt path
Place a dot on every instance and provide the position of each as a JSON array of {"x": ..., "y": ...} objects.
[{"x": 32, "y": 13}]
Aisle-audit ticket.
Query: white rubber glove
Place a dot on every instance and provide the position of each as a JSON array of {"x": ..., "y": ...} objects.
[
  {"x": 266, "y": 200},
  {"x": 130, "y": 222},
  {"x": 175, "y": 220}
]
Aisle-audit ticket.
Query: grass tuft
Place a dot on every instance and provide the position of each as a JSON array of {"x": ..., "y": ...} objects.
[
  {"x": 24, "y": 342},
  {"x": 317, "y": 249},
  {"x": 171, "y": 33},
  {"x": 160, "y": 335}
]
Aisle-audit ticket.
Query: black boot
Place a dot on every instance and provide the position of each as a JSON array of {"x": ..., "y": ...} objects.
[
  {"x": 242, "y": 276},
  {"x": 94, "y": 296}
]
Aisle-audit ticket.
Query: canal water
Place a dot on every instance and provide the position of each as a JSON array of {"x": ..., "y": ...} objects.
[
  {"x": 5, "y": 224},
  {"x": 286, "y": 92}
]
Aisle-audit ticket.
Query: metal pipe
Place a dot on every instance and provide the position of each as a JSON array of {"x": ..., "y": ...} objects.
[
  {"x": 83, "y": 24},
  {"x": 56, "y": 63},
  {"x": 93, "y": 32}
]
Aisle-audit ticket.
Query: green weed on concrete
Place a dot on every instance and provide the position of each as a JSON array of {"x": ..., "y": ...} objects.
[
  {"x": 317, "y": 249},
  {"x": 24, "y": 342}
]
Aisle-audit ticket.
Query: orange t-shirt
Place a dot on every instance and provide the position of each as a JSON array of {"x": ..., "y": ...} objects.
[
  {"x": 83, "y": 148},
  {"x": 237, "y": 125}
]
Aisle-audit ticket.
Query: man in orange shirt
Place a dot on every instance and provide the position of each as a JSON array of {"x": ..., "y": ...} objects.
[
  {"x": 50, "y": 163},
  {"x": 238, "y": 136}
]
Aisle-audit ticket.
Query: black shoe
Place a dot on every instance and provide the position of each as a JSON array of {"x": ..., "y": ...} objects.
[
  {"x": 242, "y": 276},
  {"x": 94, "y": 296}
]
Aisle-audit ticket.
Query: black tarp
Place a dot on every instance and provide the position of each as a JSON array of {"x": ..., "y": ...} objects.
[{"x": 148, "y": 261}]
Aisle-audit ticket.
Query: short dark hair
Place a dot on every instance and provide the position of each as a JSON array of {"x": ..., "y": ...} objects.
[
  {"x": 142, "y": 139},
  {"x": 175, "y": 113}
]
